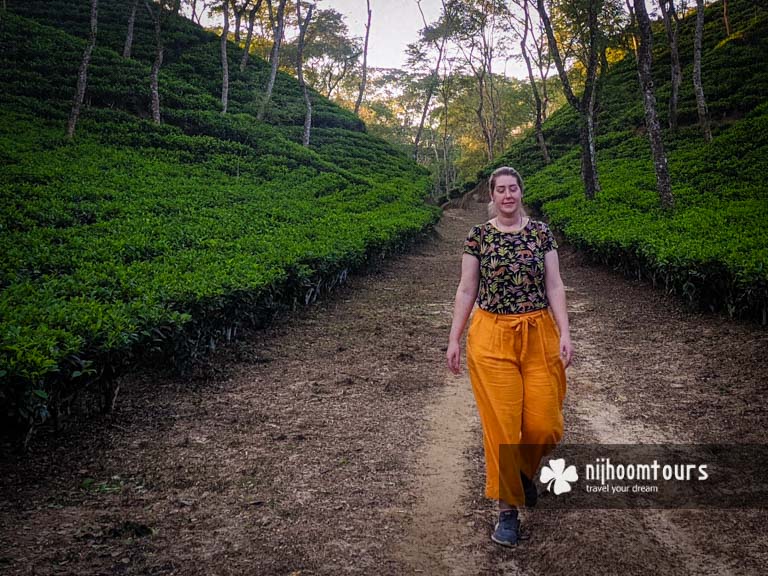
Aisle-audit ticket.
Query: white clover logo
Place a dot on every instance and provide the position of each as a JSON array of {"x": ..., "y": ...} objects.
[{"x": 557, "y": 475}]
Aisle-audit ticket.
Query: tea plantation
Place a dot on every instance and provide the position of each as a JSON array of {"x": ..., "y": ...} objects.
[
  {"x": 136, "y": 239},
  {"x": 712, "y": 250}
]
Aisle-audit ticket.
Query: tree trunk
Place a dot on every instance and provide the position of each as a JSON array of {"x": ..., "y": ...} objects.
[
  {"x": 480, "y": 111},
  {"x": 633, "y": 26},
  {"x": 154, "y": 82},
  {"x": 644, "y": 70},
  {"x": 224, "y": 61},
  {"x": 586, "y": 105},
  {"x": 365, "y": 61},
  {"x": 726, "y": 20},
  {"x": 587, "y": 139},
  {"x": 82, "y": 74},
  {"x": 427, "y": 100},
  {"x": 669, "y": 14},
  {"x": 539, "y": 131},
  {"x": 303, "y": 25},
  {"x": 277, "y": 33},
  {"x": 129, "y": 35},
  {"x": 430, "y": 89},
  {"x": 249, "y": 36},
  {"x": 238, "y": 20},
  {"x": 701, "y": 103}
]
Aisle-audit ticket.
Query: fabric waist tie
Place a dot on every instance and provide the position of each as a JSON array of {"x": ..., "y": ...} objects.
[{"x": 519, "y": 323}]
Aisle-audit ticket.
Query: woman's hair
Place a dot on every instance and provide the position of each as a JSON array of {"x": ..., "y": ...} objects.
[{"x": 504, "y": 171}]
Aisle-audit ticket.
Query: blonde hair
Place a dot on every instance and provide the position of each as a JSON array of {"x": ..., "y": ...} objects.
[{"x": 504, "y": 171}]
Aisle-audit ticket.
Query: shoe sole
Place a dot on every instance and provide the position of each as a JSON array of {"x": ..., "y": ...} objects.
[{"x": 503, "y": 542}]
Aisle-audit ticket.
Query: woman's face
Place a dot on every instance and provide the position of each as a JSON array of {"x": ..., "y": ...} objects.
[{"x": 506, "y": 195}]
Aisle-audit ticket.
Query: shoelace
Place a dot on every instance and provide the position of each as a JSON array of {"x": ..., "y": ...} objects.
[{"x": 508, "y": 519}]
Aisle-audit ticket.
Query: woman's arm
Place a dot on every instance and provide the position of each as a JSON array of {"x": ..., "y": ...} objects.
[
  {"x": 465, "y": 300},
  {"x": 556, "y": 296}
]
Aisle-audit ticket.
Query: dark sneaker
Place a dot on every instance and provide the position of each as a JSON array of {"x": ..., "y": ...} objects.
[
  {"x": 530, "y": 491},
  {"x": 507, "y": 528}
]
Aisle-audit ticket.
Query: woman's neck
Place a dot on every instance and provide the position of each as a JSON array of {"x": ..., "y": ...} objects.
[{"x": 515, "y": 221}]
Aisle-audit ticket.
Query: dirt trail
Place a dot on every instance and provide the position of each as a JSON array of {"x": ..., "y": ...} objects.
[
  {"x": 442, "y": 539},
  {"x": 336, "y": 442}
]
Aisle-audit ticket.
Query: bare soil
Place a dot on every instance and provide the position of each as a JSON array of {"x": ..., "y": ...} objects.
[{"x": 336, "y": 441}]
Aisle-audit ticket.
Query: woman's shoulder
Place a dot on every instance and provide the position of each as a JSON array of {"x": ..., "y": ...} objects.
[{"x": 539, "y": 225}]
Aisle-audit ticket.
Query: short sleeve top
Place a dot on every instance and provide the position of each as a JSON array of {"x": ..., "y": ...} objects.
[{"x": 511, "y": 266}]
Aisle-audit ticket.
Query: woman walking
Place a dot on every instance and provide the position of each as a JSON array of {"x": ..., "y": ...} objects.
[{"x": 518, "y": 345}]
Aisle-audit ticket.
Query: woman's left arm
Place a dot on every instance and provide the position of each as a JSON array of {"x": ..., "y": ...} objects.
[{"x": 556, "y": 296}]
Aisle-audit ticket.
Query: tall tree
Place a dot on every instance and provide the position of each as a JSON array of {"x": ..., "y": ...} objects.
[
  {"x": 154, "y": 82},
  {"x": 644, "y": 67},
  {"x": 249, "y": 34},
  {"x": 198, "y": 16},
  {"x": 303, "y": 24},
  {"x": 330, "y": 54},
  {"x": 726, "y": 20},
  {"x": 437, "y": 35},
  {"x": 585, "y": 106},
  {"x": 701, "y": 103},
  {"x": 129, "y": 35},
  {"x": 224, "y": 60},
  {"x": 82, "y": 73},
  {"x": 277, "y": 22},
  {"x": 478, "y": 42},
  {"x": 672, "y": 25},
  {"x": 542, "y": 57},
  {"x": 527, "y": 26},
  {"x": 447, "y": 168},
  {"x": 365, "y": 58}
]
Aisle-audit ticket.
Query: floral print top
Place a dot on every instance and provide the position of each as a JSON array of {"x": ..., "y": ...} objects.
[{"x": 511, "y": 266}]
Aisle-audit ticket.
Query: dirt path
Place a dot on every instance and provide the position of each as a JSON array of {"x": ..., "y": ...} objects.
[{"x": 337, "y": 442}]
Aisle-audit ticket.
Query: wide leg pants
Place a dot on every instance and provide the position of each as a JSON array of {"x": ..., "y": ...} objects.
[{"x": 518, "y": 380}]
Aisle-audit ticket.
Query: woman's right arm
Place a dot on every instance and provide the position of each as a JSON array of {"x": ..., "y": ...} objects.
[{"x": 466, "y": 294}]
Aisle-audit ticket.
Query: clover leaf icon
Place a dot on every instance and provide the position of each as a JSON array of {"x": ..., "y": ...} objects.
[{"x": 557, "y": 477}]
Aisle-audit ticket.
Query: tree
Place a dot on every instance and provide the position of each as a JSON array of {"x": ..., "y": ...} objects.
[
  {"x": 437, "y": 35},
  {"x": 277, "y": 22},
  {"x": 527, "y": 26},
  {"x": 644, "y": 64},
  {"x": 82, "y": 74},
  {"x": 249, "y": 35},
  {"x": 672, "y": 25},
  {"x": 198, "y": 16},
  {"x": 129, "y": 35},
  {"x": 303, "y": 24},
  {"x": 726, "y": 20},
  {"x": 157, "y": 21},
  {"x": 701, "y": 103},
  {"x": 478, "y": 42},
  {"x": 330, "y": 55},
  {"x": 238, "y": 9},
  {"x": 585, "y": 106},
  {"x": 365, "y": 59},
  {"x": 224, "y": 61}
]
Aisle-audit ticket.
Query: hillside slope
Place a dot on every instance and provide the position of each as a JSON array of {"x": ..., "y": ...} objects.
[
  {"x": 138, "y": 237},
  {"x": 712, "y": 250}
]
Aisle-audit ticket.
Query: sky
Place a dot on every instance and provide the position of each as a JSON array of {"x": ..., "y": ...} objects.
[{"x": 394, "y": 25}]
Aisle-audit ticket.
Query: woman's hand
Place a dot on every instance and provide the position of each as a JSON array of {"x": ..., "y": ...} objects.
[
  {"x": 566, "y": 349},
  {"x": 453, "y": 355}
]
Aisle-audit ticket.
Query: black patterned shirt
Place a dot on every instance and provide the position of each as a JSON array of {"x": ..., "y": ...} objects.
[{"x": 511, "y": 266}]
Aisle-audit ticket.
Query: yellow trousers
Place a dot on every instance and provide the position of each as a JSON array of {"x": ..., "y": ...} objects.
[{"x": 518, "y": 380}]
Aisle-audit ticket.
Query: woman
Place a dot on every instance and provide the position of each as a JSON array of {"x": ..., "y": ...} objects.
[{"x": 518, "y": 345}]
